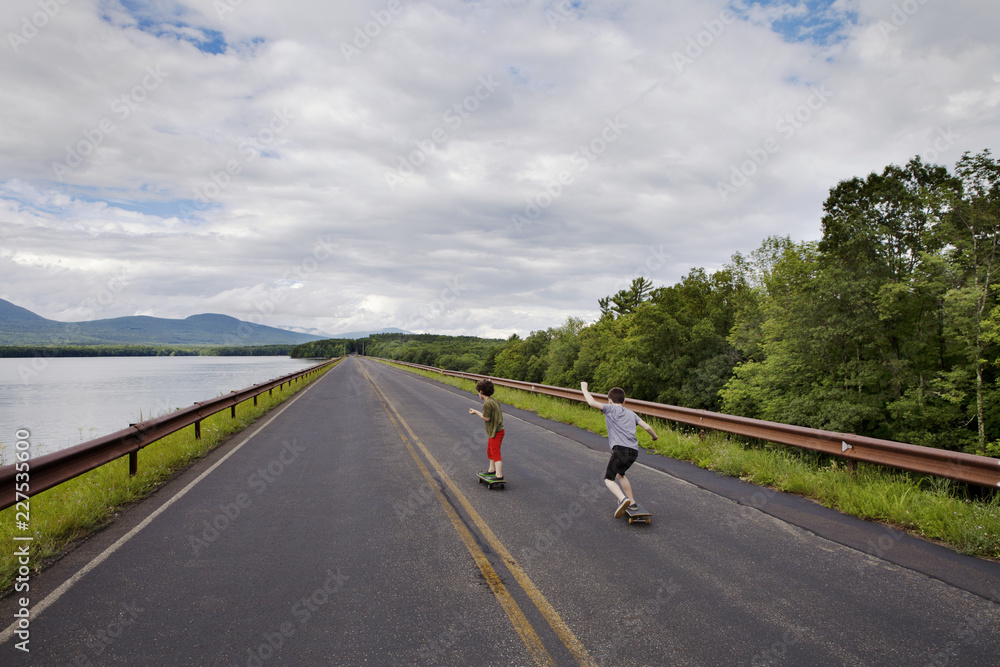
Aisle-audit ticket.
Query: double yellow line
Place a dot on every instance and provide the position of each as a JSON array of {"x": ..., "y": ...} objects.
[{"x": 520, "y": 622}]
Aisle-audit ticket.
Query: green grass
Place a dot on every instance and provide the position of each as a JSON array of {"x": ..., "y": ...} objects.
[
  {"x": 934, "y": 508},
  {"x": 77, "y": 508}
]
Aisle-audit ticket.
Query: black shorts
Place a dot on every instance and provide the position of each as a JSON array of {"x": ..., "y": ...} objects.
[{"x": 622, "y": 459}]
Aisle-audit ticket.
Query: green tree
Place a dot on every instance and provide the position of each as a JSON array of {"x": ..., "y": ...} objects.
[{"x": 972, "y": 235}]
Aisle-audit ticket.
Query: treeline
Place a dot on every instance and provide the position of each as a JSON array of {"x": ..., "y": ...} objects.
[
  {"x": 459, "y": 353},
  {"x": 140, "y": 351},
  {"x": 887, "y": 326}
]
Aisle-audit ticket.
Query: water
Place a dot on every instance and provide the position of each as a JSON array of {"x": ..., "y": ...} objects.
[{"x": 63, "y": 401}]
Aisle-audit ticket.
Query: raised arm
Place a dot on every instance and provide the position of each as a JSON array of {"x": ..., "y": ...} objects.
[{"x": 591, "y": 401}]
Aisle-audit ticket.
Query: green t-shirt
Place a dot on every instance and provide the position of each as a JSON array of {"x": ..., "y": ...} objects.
[{"x": 493, "y": 416}]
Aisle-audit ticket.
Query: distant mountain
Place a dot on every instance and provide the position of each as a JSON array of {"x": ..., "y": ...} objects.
[
  {"x": 312, "y": 331},
  {"x": 20, "y": 326},
  {"x": 354, "y": 335}
]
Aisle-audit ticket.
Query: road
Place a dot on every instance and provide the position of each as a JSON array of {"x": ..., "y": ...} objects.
[{"x": 348, "y": 528}]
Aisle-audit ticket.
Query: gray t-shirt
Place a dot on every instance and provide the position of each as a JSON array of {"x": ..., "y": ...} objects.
[{"x": 621, "y": 424}]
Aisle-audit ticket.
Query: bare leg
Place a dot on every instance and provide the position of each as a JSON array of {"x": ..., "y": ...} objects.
[
  {"x": 626, "y": 487},
  {"x": 614, "y": 488},
  {"x": 499, "y": 467},
  {"x": 491, "y": 467}
]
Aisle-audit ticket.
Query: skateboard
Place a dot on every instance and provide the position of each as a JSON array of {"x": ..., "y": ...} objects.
[
  {"x": 490, "y": 482},
  {"x": 637, "y": 514}
]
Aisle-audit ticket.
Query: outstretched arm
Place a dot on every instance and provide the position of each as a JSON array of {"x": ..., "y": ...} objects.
[
  {"x": 591, "y": 401},
  {"x": 649, "y": 429}
]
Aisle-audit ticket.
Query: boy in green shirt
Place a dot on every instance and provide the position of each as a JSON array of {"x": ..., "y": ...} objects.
[{"x": 493, "y": 417}]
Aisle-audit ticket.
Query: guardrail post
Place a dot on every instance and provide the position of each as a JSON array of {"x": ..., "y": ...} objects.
[
  {"x": 133, "y": 463},
  {"x": 232, "y": 412},
  {"x": 197, "y": 430},
  {"x": 255, "y": 400}
]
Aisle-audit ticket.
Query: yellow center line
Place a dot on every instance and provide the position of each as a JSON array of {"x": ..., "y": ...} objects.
[
  {"x": 569, "y": 640},
  {"x": 520, "y": 622}
]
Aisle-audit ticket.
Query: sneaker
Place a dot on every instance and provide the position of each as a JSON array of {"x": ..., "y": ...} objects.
[
  {"x": 487, "y": 473},
  {"x": 497, "y": 479},
  {"x": 622, "y": 506}
]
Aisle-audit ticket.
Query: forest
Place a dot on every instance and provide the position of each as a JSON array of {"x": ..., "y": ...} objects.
[{"x": 886, "y": 326}]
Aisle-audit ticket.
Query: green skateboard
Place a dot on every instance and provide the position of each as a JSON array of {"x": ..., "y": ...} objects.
[{"x": 489, "y": 481}]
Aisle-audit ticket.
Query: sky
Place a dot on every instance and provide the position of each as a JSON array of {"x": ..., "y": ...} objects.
[{"x": 444, "y": 166}]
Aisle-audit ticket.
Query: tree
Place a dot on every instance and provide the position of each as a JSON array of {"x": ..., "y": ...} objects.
[
  {"x": 627, "y": 300},
  {"x": 973, "y": 237}
]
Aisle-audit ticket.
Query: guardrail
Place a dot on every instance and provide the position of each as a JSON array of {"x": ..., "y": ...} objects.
[
  {"x": 53, "y": 469},
  {"x": 959, "y": 466}
]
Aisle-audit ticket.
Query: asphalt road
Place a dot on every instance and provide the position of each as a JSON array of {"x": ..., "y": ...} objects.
[{"x": 349, "y": 528}]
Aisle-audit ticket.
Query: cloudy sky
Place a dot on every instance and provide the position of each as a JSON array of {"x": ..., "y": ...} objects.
[{"x": 479, "y": 167}]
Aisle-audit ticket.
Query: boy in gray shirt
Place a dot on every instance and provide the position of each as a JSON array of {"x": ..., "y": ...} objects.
[{"x": 621, "y": 423}]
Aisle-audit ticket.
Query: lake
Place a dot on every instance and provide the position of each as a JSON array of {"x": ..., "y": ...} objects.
[{"x": 63, "y": 401}]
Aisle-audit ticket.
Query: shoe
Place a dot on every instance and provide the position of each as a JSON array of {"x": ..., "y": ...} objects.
[
  {"x": 497, "y": 479},
  {"x": 487, "y": 473},
  {"x": 622, "y": 507}
]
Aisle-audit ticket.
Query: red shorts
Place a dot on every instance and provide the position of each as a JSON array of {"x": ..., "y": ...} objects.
[{"x": 493, "y": 446}]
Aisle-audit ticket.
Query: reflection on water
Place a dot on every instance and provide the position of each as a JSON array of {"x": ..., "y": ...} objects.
[{"x": 63, "y": 401}]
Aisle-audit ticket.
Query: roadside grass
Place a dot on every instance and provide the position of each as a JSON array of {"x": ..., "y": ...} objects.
[
  {"x": 87, "y": 503},
  {"x": 934, "y": 508}
]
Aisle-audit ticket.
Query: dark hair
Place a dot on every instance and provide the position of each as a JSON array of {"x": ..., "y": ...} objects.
[
  {"x": 485, "y": 387},
  {"x": 617, "y": 395}
]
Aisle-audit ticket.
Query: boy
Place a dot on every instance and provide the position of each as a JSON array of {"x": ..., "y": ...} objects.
[
  {"x": 493, "y": 417},
  {"x": 621, "y": 423}
]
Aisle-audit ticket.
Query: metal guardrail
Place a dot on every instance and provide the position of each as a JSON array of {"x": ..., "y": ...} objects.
[
  {"x": 53, "y": 469},
  {"x": 959, "y": 466}
]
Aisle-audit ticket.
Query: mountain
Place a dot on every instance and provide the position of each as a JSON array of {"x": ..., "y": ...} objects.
[
  {"x": 20, "y": 326},
  {"x": 354, "y": 335}
]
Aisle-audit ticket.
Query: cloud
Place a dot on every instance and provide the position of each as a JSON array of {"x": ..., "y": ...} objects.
[{"x": 461, "y": 167}]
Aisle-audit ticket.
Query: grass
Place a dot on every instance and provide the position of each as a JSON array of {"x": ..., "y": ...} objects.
[
  {"x": 934, "y": 508},
  {"x": 77, "y": 508}
]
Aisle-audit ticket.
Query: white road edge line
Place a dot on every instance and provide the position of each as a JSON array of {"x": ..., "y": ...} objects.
[{"x": 52, "y": 597}]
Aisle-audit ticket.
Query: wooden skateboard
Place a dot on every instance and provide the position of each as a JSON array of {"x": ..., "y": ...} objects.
[
  {"x": 489, "y": 481},
  {"x": 637, "y": 514}
]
